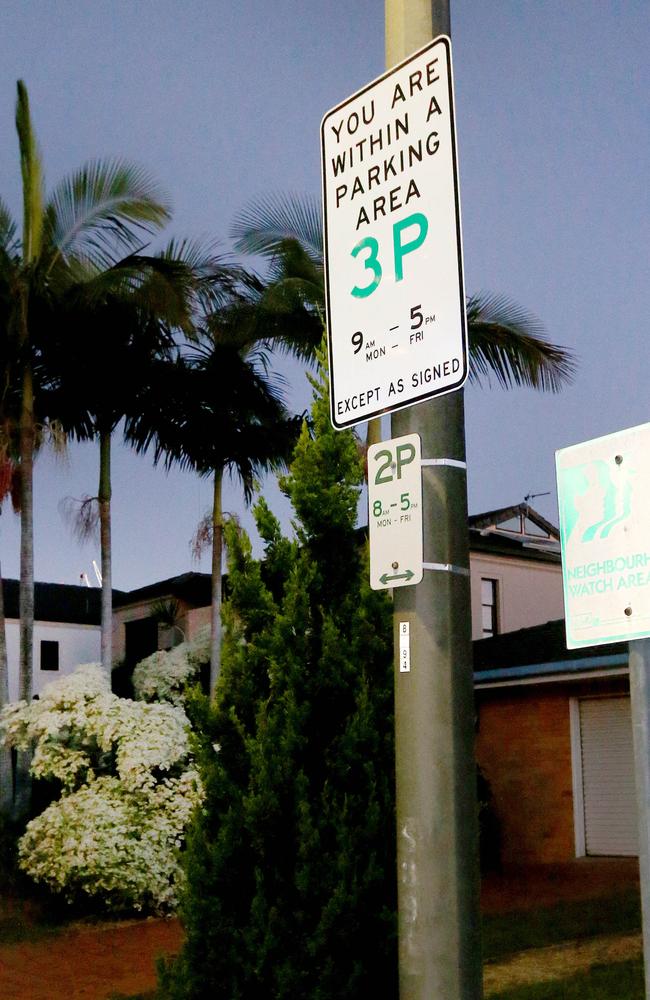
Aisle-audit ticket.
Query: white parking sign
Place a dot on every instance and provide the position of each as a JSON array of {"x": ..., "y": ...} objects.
[
  {"x": 395, "y": 512},
  {"x": 393, "y": 261}
]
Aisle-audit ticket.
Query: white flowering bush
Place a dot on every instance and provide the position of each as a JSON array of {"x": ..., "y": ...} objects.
[
  {"x": 129, "y": 788},
  {"x": 165, "y": 675}
]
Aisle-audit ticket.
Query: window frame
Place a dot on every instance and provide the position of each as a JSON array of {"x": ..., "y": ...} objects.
[
  {"x": 491, "y": 606},
  {"x": 52, "y": 650}
]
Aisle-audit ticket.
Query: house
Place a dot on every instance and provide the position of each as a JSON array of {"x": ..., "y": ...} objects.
[
  {"x": 515, "y": 570},
  {"x": 554, "y": 740},
  {"x": 159, "y": 615},
  {"x": 516, "y": 580},
  {"x": 66, "y": 630}
]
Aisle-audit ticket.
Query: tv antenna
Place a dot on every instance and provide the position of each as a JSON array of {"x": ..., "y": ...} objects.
[{"x": 531, "y": 496}]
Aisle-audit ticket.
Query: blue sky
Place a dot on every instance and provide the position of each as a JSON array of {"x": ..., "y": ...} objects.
[{"x": 223, "y": 102}]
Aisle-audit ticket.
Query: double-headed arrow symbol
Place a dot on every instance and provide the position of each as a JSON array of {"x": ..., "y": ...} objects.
[{"x": 398, "y": 576}]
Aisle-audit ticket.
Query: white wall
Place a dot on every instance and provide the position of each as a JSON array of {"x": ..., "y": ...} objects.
[
  {"x": 77, "y": 644},
  {"x": 529, "y": 592}
]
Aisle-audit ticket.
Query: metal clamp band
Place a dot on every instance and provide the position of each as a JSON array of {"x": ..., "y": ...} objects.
[
  {"x": 446, "y": 568},
  {"x": 453, "y": 462}
]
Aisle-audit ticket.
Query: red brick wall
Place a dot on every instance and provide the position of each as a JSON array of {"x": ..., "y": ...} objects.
[{"x": 524, "y": 748}]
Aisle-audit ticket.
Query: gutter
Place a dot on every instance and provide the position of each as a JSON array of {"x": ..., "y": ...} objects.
[{"x": 590, "y": 666}]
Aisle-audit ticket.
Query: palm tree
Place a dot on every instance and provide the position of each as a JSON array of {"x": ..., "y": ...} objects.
[
  {"x": 222, "y": 412},
  {"x": 8, "y": 478},
  {"x": 90, "y": 220},
  {"x": 504, "y": 339},
  {"x": 134, "y": 311}
]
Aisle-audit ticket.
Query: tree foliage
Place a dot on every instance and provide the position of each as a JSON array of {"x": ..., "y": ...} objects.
[
  {"x": 291, "y": 882},
  {"x": 505, "y": 340}
]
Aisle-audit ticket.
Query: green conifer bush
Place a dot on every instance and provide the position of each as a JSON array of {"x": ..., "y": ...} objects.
[{"x": 291, "y": 861}]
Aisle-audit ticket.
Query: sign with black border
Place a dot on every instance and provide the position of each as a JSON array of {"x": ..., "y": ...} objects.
[{"x": 394, "y": 287}]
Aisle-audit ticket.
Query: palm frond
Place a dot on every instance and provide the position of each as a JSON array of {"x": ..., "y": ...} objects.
[
  {"x": 177, "y": 285},
  {"x": 291, "y": 293},
  {"x": 222, "y": 412},
  {"x": 212, "y": 278},
  {"x": 31, "y": 167},
  {"x": 82, "y": 516},
  {"x": 292, "y": 260},
  {"x": 509, "y": 343},
  {"x": 102, "y": 209},
  {"x": 8, "y": 241},
  {"x": 201, "y": 540},
  {"x": 264, "y": 224}
]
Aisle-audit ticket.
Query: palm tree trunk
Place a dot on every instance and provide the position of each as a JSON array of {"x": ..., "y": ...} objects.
[
  {"x": 26, "y": 669},
  {"x": 23, "y": 785},
  {"x": 373, "y": 434},
  {"x": 6, "y": 770},
  {"x": 217, "y": 551},
  {"x": 105, "y": 544}
]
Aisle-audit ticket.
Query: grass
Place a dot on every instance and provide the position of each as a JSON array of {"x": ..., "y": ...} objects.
[
  {"x": 620, "y": 981},
  {"x": 507, "y": 933},
  {"x": 138, "y": 996},
  {"x": 19, "y": 927}
]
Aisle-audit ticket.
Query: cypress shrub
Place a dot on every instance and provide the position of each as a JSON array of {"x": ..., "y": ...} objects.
[{"x": 291, "y": 885}]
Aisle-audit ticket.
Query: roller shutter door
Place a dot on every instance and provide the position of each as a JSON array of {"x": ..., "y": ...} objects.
[{"x": 608, "y": 776}]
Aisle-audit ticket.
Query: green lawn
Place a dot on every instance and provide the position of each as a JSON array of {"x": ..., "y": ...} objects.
[
  {"x": 621, "y": 981},
  {"x": 504, "y": 934},
  {"x": 20, "y": 922},
  {"x": 139, "y": 996}
]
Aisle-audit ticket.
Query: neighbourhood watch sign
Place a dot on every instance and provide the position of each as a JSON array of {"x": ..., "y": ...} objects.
[{"x": 604, "y": 504}]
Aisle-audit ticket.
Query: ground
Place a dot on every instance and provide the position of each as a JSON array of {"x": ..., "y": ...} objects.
[
  {"x": 88, "y": 962},
  {"x": 100, "y": 961},
  {"x": 557, "y": 962},
  {"x": 543, "y": 885}
]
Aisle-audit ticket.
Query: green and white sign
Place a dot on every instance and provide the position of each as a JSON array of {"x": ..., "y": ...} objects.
[
  {"x": 604, "y": 501},
  {"x": 393, "y": 261},
  {"x": 395, "y": 512}
]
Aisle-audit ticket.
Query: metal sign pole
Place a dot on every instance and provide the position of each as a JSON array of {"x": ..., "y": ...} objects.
[
  {"x": 437, "y": 837},
  {"x": 640, "y": 699}
]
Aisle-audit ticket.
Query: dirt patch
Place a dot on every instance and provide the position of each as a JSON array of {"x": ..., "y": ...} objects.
[
  {"x": 559, "y": 961},
  {"x": 543, "y": 885},
  {"x": 88, "y": 963}
]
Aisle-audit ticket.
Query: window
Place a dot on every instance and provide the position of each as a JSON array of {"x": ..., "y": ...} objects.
[
  {"x": 49, "y": 654},
  {"x": 489, "y": 621}
]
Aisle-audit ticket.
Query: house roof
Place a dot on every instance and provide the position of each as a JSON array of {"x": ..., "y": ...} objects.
[
  {"x": 518, "y": 530},
  {"x": 497, "y": 519},
  {"x": 195, "y": 588},
  {"x": 540, "y": 651},
  {"x": 57, "y": 602}
]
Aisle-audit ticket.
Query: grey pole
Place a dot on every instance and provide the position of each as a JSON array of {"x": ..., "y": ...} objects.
[
  {"x": 437, "y": 838},
  {"x": 640, "y": 703}
]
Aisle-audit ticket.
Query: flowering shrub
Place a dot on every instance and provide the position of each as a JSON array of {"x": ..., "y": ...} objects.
[
  {"x": 129, "y": 789},
  {"x": 165, "y": 675}
]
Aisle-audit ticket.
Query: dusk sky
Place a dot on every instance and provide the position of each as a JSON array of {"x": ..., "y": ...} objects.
[{"x": 223, "y": 103}]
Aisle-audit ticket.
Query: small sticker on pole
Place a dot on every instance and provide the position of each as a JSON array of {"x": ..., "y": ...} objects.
[{"x": 404, "y": 648}]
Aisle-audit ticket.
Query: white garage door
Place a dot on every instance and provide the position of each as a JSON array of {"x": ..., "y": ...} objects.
[{"x": 608, "y": 776}]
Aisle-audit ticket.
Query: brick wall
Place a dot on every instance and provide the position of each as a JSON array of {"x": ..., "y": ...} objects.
[
  {"x": 196, "y": 619},
  {"x": 523, "y": 745},
  {"x": 524, "y": 748}
]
